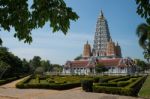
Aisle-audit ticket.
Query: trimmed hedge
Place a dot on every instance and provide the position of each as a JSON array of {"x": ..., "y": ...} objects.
[
  {"x": 52, "y": 85},
  {"x": 49, "y": 86},
  {"x": 121, "y": 79},
  {"x": 87, "y": 85},
  {"x": 102, "y": 80},
  {"x": 125, "y": 83},
  {"x": 131, "y": 89},
  {"x": 113, "y": 90}
]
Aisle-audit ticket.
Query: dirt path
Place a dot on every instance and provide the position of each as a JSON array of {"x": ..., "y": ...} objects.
[
  {"x": 12, "y": 84},
  {"x": 8, "y": 91}
]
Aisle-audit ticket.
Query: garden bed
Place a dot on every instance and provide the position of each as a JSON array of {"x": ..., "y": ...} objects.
[
  {"x": 128, "y": 85},
  {"x": 51, "y": 82}
]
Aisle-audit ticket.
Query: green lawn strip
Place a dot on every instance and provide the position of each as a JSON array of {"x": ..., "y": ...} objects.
[{"x": 145, "y": 90}]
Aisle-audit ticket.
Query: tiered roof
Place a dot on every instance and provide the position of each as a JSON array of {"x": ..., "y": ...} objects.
[{"x": 119, "y": 62}]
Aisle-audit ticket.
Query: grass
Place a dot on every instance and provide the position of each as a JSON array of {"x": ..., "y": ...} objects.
[{"x": 145, "y": 90}]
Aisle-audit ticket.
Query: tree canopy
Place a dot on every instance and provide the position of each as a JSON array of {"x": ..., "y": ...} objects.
[
  {"x": 143, "y": 30},
  {"x": 99, "y": 68},
  {"x": 143, "y": 9},
  {"x": 23, "y": 16},
  {"x": 143, "y": 65},
  {"x": 10, "y": 62}
]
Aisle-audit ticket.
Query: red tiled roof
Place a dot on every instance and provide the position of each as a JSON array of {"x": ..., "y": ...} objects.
[
  {"x": 78, "y": 63},
  {"x": 110, "y": 62},
  {"x": 106, "y": 62}
]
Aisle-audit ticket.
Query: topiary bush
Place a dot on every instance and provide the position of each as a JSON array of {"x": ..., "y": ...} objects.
[{"x": 87, "y": 85}]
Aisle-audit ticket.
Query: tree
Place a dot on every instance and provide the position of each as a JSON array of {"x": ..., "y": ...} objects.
[
  {"x": 39, "y": 70},
  {"x": 78, "y": 57},
  {"x": 57, "y": 68},
  {"x": 23, "y": 18},
  {"x": 143, "y": 32},
  {"x": 143, "y": 65},
  {"x": 35, "y": 62},
  {"x": 143, "y": 9},
  {"x": 99, "y": 68},
  {"x": 14, "y": 62},
  {"x": 147, "y": 54},
  {"x": 25, "y": 65},
  {"x": 3, "y": 68},
  {"x": 46, "y": 65}
]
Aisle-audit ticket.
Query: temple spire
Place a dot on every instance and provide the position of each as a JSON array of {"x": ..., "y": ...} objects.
[
  {"x": 87, "y": 42},
  {"x": 102, "y": 36},
  {"x": 102, "y": 15}
]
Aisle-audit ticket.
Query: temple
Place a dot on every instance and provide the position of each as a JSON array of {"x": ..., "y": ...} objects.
[{"x": 104, "y": 51}]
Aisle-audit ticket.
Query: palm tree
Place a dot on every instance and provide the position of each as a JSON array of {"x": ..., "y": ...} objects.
[{"x": 143, "y": 32}]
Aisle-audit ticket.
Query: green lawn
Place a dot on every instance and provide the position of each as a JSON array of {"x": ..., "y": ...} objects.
[{"x": 145, "y": 90}]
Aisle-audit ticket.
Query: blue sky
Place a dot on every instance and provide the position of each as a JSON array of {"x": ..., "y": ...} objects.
[{"x": 58, "y": 48}]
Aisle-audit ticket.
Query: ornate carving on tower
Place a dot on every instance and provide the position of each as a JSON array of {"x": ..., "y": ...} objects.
[
  {"x": 111, "y": 49},
  {"x": 87, "y": 50},
  {"x": 102, "y": 36}
]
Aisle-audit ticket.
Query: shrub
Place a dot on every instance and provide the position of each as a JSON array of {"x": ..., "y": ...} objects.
[
  {"x": 130, "y": 87},
  {"x": 50, "y": 81},
  {"x": 112, "y": 90},
  {"x": 102, "y": 80},
  {"x": 87, "y": 85},
  {"x": 137, "y": 85},
  {"x": 96, "y": 79},
  {"x": 48, "y": 85},
  {"x": 123, "y": 83},
  {"x": 121, "y": 79},
  {"x": 111, "y": 84},
  {"x": 37, "y": 79},
  {"x": 22, "y": 84}
]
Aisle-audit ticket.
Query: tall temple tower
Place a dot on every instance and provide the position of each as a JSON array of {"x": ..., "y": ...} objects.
[
  {"x": 87, "y": 50},
  {"x": 118, "y": 50},
  {"x": 102, "y": 36}
]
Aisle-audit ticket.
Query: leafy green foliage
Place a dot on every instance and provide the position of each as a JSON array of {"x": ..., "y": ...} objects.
[
  {"x": 100, "y": 68},
  {"x": 143, "y": 65},
  {"x": 143, "y": 9},
  {"x": 87, "y": 85},
  {"x": 10, "y": 62},
  {"x": 50, "y": 82},
  {"x": 39, "y": 70},
  {"x": 35, "y": 62},
  {"x": 24, "y": 18},
  {"x": 78, "y": 57},
  {"x": 143, "y": 32},
  {"x": 123, "y": 86},
  {"x": 56, "y": 68}
]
